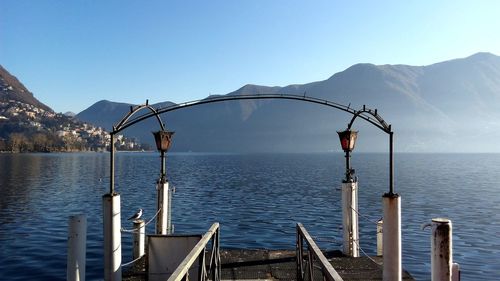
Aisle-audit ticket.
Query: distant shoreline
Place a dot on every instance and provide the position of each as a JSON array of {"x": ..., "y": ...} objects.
[{"x": 79, "y": 151}]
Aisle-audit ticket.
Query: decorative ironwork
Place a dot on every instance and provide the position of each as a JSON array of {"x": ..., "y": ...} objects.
[{"x": 369, "y": 115}]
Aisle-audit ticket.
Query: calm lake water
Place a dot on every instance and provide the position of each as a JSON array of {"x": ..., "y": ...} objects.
[{"x": 257, "y": 198}]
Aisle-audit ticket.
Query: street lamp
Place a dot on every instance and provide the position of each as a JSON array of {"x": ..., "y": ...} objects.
[
  {"x": 163, "y": 141},
  {"x": 348, "y": 141}
]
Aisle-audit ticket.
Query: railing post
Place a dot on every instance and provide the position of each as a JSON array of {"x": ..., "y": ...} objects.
[
  {"x": 311, "y": 267},
  {"x": 202, "y": 272},
  {"x": 315, "y": 252},
  {"x": 298, "y": 252}
]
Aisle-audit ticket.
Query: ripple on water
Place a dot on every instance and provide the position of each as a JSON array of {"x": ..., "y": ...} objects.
[{"x": 256, "y": 198}]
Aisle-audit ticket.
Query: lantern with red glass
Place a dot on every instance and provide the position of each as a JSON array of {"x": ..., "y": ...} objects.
[
  {"x": 163, "y": 141},
  {"x": 347, "y": 141}
]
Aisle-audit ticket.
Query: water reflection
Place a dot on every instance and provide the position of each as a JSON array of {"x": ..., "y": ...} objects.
[{"x": 257, "y": 198}]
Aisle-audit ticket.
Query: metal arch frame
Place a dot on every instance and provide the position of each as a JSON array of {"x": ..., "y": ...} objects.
[
  {"x": 121, "y": 126},
  {"x": 348, "y": 109},
  {"x": 363, "y": 114},
  {"x": 387, "y": 129}
]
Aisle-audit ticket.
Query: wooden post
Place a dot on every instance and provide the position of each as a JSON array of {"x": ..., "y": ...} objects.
[
  {"x": 112, "y": 237},
  {"x": 139, "y": 238},
  {"x": 77, "y": 240},
  {"x": 392, "y": 237},
  {"x": 350, "y": 218}
]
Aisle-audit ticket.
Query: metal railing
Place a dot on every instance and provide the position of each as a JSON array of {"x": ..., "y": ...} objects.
[
  {"x": 313, "y": 254},
  {"x": 199, "y": 253}
]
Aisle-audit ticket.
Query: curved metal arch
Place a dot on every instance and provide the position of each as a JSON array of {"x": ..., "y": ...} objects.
[
  {"x": 381, "y": 122},
  {"x": 357, "y": 113},
  {"x": 386, "y": 128},
  {"x": 123, "y": 123},
  {"x": 377, "y": 122}
]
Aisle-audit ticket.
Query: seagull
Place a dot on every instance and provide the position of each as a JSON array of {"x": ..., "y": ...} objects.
[{"x": 136, "y": 216}]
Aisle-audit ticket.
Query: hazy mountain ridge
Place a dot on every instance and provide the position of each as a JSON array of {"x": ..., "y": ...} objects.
[{"x": 431, "y": 108}]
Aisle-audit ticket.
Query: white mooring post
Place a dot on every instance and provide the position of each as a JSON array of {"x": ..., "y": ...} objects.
[
  {"x": 163, "y": 207},
  {"x": 455, "y": 272},
  {"x": 112, "y": 237},
  {"x": 139, "y": 238},
  {"x": 350, "y": 218},
  {"x": 380, "y": 235},
  {"x": 392, "y": 237},
  {"x": 77, "y": 241},
  {"x": 443, "y": 268}
]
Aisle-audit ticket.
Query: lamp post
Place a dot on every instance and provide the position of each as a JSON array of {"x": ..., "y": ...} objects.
[
  {"x": 348, "y": 141},
  {"x": 163, "y": 141},
  {"x": 349, "y": 197}
]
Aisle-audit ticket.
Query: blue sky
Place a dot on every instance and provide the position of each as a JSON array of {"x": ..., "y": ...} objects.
[{"x": 71, "y": 54}]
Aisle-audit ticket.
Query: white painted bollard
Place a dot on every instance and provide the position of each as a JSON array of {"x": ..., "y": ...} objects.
[
  {"x": 441, "y": 250},
  {"x": 112, "y": 237},
  {"x": 455, "y": 272},
  {"x": 170, "y": 227},
  {"x": 380, "y": 235},
  {"x": 162, "y": 205},
  {"x": 139, "y": 238},
  {"x": 350, "y": 219},
  {"x": 392, "y": 237},
  {"x": 77, "y": 241}
]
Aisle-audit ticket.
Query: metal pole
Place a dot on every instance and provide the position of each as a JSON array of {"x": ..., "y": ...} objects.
[
  {"x": 162, "y": 204},
  {"x": 112, "y": 164},
  {"x": 77, "y": 239},
  {"x": 347, "y": 166},
  {"x": 163, "y": 175},
  {"x": 391, "y": 162}
]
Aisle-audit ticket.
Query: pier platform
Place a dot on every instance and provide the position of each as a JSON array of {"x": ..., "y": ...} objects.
[{"x": 263, "y": 264}]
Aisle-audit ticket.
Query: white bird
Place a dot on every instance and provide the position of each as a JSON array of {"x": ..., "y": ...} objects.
[{"x": 136, "y": 216}]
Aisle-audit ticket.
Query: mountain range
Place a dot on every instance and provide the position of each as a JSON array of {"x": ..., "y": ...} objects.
[
  {"x": 451, "y": 106},
  {"x": 13, "y": 89}
]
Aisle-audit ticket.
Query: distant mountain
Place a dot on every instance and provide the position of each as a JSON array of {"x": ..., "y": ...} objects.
[
  {"x": 12, "y": 89},
  {"x": 452, "y": 106},
  {"x": 27, "y": 125}
]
